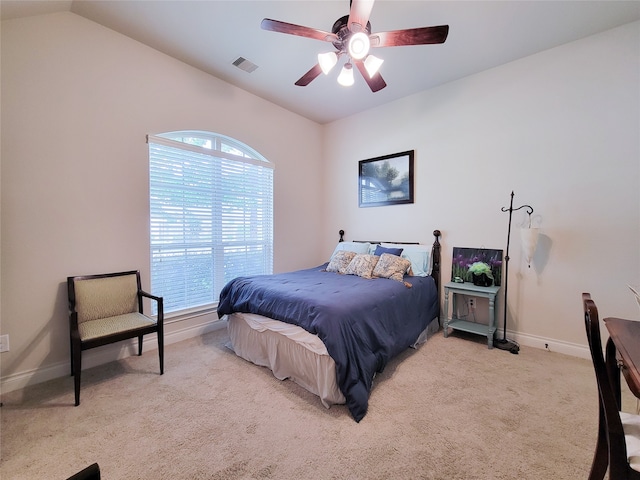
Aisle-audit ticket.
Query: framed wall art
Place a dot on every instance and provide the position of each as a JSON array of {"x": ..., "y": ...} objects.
[
  {"x": 463, "y": 258},
  {"x": 386, "y": 180}
]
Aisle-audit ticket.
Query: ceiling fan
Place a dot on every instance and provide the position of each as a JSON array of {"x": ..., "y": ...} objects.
[{"x": 351, "y": 36}]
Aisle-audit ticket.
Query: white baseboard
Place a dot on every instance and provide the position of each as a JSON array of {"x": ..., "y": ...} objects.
[
  {"x": 106, "y": 354},
  {"x": 572, "y": 349}
]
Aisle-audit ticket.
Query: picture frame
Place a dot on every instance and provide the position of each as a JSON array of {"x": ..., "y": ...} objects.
[
  {"x": 463, "y": 258},
  {"x": 386, "y": 180}
]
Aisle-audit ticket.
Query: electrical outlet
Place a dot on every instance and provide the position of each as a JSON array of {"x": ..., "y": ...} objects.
[
  {"x": 4, "y": 343},
  {"x": 472, "y": 302}
]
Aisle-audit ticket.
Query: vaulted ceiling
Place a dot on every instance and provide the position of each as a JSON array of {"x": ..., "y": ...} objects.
[{"x": 211, "y": 35}]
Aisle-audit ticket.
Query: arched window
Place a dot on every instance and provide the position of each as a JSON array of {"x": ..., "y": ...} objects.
[{"x": 211, "y": 210}]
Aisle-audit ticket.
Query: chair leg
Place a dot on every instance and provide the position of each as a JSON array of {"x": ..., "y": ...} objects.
[
  {"x": 139, "y": 345},
  {"x": 161, "y": 351},
  {"x": 71, "y": 355},
  {"x": 77, "y": 369},
  {"x": 601, "y": 456}
]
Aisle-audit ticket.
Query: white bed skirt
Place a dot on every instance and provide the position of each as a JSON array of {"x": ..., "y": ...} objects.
[{"x": 291, "y": 352}]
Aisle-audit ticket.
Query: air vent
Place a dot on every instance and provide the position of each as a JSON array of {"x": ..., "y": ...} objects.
[{"x": 244, "y": 64}]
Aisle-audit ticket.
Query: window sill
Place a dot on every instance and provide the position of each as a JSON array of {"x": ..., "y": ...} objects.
[{"x": 181, "y": 315}]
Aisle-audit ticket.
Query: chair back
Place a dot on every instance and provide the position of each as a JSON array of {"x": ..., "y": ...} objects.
[
  {"x": 618, "y": 461},
  {"x": 106, "y": 295}
]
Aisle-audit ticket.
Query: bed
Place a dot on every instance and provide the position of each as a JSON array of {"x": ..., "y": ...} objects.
[{"x": 331, "y": 328}]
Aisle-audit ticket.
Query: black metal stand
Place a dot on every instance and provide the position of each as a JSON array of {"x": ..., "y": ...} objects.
[{"x": 503, "y": 343}]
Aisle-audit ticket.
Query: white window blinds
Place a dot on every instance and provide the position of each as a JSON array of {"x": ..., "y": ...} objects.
[{"x": 211, "y": 216}]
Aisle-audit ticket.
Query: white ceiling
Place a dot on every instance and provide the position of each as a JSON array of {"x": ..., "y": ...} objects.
[{"x": 210, "y": 35}]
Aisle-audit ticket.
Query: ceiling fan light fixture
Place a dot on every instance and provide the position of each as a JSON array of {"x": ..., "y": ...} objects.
[
  {"x": 351, "y": 36},
  {"x": 372, "y": 65},
  {"x": 346, "y": 75},
  {"x": 327, "y": 61},
  {"x": 358, "y": 45}
]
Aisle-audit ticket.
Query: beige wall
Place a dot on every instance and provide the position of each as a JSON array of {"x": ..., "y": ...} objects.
[
  {"x": 562, "y": 130},
  {"x": 77, "y": 102},
  {"x": 559, "y": 128}
]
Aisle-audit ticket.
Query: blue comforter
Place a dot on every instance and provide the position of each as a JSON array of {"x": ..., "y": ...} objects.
[{"x": 364, "y": 323}]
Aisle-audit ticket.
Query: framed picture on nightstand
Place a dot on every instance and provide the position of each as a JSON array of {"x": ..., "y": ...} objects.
[{"x": 463, "y": 258}]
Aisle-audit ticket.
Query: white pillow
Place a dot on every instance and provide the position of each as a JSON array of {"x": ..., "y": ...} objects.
[
  {"x": 418, "y": 255},
  {"x": 357, "y": 247}
]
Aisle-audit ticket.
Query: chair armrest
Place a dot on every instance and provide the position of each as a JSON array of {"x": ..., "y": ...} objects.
[
  {"x": 160, "y": 302},
  {"x": 149, "y": 295}
]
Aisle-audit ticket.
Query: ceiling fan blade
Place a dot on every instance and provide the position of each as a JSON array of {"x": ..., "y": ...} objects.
[
  {"x": 359, "y": 15},
  {"x": 376, "y": 82},
  {"x": 410, "y": 36},
  {"x": 311, "y": 75},
  {"x": 292, "y": 29}
]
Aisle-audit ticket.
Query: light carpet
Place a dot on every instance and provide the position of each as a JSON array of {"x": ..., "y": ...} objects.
[{"x": 451, "y": 409}]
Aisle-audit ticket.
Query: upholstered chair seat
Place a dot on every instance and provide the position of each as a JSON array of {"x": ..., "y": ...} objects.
[{"x": 102, "y": 327}]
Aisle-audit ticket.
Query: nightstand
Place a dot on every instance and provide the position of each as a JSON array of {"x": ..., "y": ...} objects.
[{"x": 466, "y": 326}]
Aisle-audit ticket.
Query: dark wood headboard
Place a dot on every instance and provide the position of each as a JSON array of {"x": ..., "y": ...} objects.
[{"x": 435, "y": 254}]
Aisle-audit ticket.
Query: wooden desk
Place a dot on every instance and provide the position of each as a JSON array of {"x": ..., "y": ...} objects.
[{"x": 624, "y": 339}]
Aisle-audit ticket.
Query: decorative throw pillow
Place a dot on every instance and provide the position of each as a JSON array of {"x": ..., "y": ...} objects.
[
  {"x": 340, "y": 261},
  {"x": 391, "y": 266},
  {"x": 393, "y": 251},
  {"x": 362, "y": 265}
]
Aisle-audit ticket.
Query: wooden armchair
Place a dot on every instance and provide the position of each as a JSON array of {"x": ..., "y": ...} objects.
[{"x": 107, "y": 308}]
